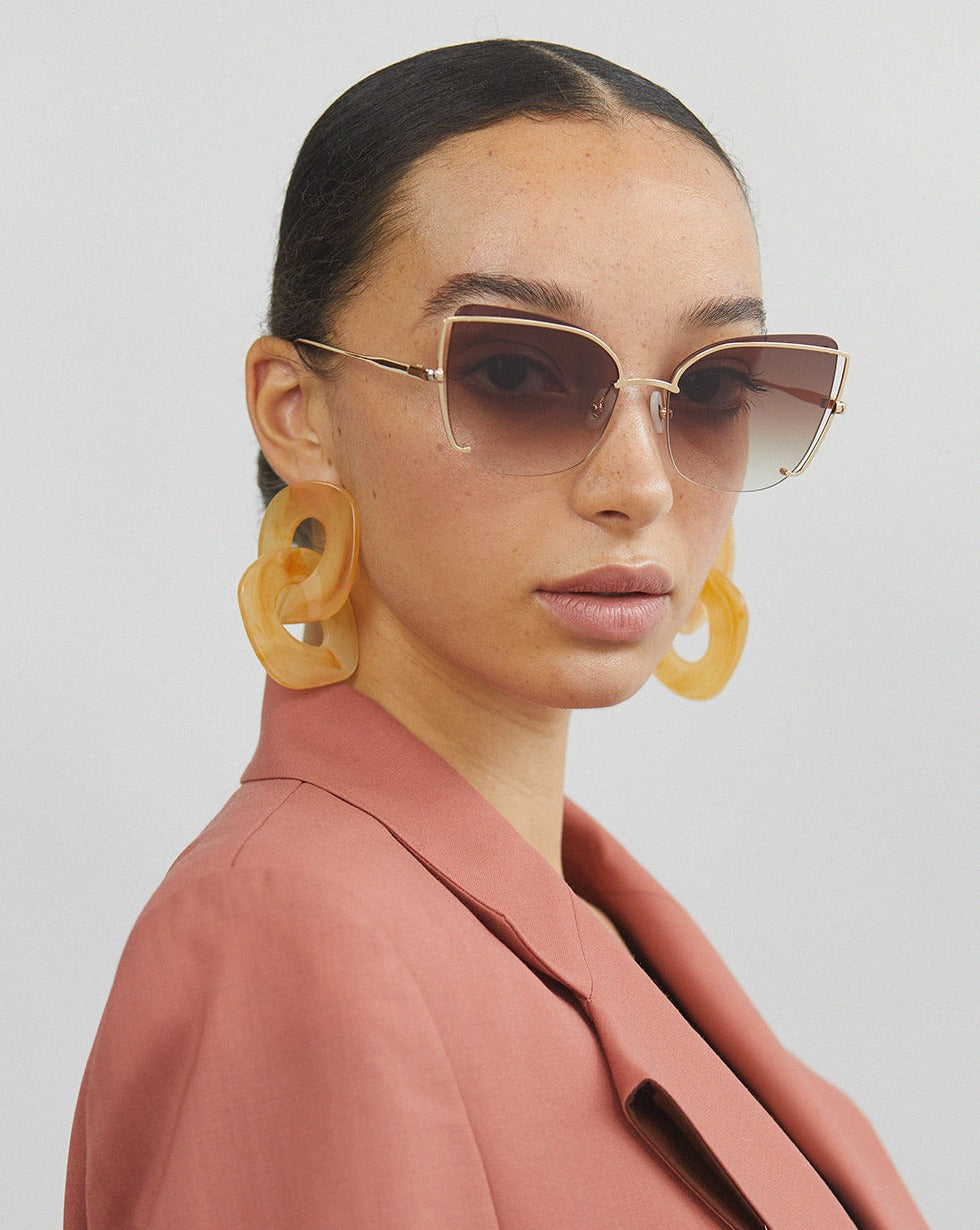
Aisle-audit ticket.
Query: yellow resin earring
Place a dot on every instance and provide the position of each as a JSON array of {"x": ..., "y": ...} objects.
[
  {"x": 728, "y": 623},
  {"x": 293, "y": 585}
]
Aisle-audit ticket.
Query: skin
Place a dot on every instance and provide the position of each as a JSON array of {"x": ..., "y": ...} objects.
[{"x": 640, "y": 228}]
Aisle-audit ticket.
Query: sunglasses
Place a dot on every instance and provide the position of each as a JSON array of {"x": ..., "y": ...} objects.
[{"x": 533, "y": 397}]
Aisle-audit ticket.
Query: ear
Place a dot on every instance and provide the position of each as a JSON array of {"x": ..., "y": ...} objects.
[{"x": 288, "y": 416}]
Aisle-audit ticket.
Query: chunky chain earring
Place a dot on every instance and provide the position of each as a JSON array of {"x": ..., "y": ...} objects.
[
  {"x": 728, "y": 623},
  {"x": 292, "y": 585}
]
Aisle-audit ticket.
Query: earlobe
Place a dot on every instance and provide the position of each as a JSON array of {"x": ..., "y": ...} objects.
[{"x": 281, "y": 395}]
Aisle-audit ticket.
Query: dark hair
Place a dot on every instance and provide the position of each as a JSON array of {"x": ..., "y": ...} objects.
[{"x": 340, "y": 196}]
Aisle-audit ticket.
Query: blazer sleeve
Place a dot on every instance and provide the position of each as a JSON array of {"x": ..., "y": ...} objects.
[{"x": 266, "y": 1059}]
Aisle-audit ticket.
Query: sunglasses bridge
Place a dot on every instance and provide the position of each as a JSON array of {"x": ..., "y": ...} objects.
[{"x": 658, "y": 403}]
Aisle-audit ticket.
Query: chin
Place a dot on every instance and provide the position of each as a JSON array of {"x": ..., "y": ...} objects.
[{"x": 591, "y": 685}]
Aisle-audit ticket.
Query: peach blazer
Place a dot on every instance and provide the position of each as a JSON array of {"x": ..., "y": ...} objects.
[{"x": 360, "y": 999}]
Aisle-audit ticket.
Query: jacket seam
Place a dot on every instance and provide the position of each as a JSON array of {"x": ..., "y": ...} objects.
[{"x": 264, "y": 820}]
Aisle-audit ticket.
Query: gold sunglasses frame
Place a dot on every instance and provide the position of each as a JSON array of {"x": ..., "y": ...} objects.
[{"x": 832, "y": 405}]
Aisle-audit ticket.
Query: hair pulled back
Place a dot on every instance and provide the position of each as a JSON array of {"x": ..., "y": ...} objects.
[{"x": 343, "y": 186}]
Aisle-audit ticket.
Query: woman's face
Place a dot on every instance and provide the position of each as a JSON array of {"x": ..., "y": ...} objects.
[{"x": 472, "y": 580}]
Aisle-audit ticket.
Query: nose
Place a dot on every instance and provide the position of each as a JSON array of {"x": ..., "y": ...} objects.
[{"x": 628, "y": 480}]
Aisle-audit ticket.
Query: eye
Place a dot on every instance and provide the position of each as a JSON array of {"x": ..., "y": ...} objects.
[
  {"x": 719, "y": 388},
  {"x": 511, "y": 373}
]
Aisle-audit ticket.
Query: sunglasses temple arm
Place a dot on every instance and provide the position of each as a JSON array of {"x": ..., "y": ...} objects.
[
  {"x": 407, "y": 369},
  {"x": 388, "y": 365}
]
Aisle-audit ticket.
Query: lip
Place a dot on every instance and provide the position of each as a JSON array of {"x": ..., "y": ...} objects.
[{"x": 617, "y": 602}]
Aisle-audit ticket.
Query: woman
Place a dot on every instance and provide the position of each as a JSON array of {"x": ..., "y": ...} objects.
[{"x": 400, "y": 981}]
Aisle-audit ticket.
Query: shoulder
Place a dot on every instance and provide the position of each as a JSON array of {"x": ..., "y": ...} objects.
[
  {"x": 288, "y": 848},
  {"x": 265, "y": 995},
  {"x": 281, "y": 823},
  {"x": 285, "y": 867}
]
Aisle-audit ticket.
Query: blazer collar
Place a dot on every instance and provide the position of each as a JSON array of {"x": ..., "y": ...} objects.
[
  {"x": 677, "y": 1084},
  {"x": 341, "y": 741}
]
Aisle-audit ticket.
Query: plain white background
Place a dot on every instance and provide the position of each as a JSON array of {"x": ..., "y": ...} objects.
[{"x": 818, "y": 819}]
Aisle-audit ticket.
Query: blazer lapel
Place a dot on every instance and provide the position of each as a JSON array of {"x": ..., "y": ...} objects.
[
  {"x": 826, "y": 1127},
  {"x": 691, "y": 1107}
]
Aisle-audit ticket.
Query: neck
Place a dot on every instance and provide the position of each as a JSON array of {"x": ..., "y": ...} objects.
[{"x": 511, "y": 752}]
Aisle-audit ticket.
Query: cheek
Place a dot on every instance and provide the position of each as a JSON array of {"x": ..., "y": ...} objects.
[
  {"x": 435, "y": 546},
  {"x": 423, "y": 508},
  {"x": 704, "y": 517},
  {"x": 389, "y": 458}
]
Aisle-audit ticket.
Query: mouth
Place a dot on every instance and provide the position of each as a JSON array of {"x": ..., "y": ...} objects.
[{"x": 618, "y": 602}]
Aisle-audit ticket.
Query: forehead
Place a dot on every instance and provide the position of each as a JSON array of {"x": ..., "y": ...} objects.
[
  {"x": 631, "y": 210},
  {"x": 523, "y": 147}
]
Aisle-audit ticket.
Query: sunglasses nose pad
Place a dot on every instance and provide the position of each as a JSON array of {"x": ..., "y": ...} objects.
[
  {"x": 657, "y": 410},
  {"x": 602, "y": 405}
]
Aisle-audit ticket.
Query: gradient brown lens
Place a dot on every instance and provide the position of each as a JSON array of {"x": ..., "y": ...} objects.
[
  {"x": 526, "y": 398},
  {"x": 748, "y": 414}
]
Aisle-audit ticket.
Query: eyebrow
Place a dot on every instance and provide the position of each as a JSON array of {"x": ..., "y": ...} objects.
[
  {"x": 713, "y": 313},
  {"x": 547, "y": 296},
  {"x": 564, "y": 304}
]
